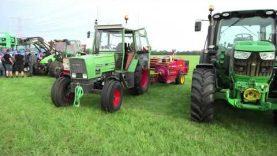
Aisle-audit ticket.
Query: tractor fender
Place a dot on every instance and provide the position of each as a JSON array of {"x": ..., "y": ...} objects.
[
  {"x": 205, "y": 65},
  {"x": 112, "y": 77}
]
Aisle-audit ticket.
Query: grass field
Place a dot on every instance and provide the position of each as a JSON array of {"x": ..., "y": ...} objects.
[{"x": 157, "y": 123}]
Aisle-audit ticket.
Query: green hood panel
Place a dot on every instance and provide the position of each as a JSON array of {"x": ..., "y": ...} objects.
[
  {"x": 96, "y": 64},
  {"x": 254, "y": 46},
  {"x": 46, "y": 59}
]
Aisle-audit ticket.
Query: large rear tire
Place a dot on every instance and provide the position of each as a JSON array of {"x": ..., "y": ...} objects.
[
  {"x": 142, "y": 80},
  {"x": 111, "y": 96},
  {"x": 202, "y": 95},
  {"x": 60, "y": 92}
]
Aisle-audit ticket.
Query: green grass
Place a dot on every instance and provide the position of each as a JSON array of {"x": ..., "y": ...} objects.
[{"x": 156, "y": 123}]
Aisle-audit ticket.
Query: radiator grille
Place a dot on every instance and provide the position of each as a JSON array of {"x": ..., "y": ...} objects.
[{"x": 253, "y": 66}]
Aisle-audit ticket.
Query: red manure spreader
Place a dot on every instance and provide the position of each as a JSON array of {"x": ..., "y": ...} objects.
[{"x": 168, "y": 69}]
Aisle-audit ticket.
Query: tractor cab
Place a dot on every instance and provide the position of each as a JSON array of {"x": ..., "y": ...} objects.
[{"x": 125, "y": 44}]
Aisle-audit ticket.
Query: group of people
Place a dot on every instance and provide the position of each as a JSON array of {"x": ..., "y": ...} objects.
[{"x": 14, "y": 63}]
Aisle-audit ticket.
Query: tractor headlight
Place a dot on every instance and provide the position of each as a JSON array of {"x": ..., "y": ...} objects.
[
  {"x": 73, "y": 75},
  {"x": 242, "y": 55},
  {"x": 85, "y": 76},
  {"x": 267, "y": 55}
]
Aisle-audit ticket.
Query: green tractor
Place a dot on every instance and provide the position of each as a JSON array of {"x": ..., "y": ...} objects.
[
  {"x": 239, "y": 61},
  {"x": 62, "y": 50},
  {"x": 38, "y": 45},
  {"x": 7, "y": 40},
  {"x": 120, "y": 59}
]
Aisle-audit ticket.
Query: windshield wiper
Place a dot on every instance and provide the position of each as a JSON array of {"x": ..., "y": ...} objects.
[{"x": 232, "y": 25}]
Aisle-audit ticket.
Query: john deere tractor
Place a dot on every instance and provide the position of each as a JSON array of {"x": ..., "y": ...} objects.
[
  {"x": 239, "y": 61},
  {"x": 120, "y": 59}
]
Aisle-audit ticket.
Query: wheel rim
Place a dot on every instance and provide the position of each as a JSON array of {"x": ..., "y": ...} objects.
[
  {"x": 144, "y": 79},
  {"x": 182, "y": 79},
  {"x": 69, "y": 97},
  {"x": 116, "y": 97}
]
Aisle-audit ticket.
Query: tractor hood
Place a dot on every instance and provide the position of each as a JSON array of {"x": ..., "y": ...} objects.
[
  {"x": 47, "y": 59},
  {"x": 92, "y": 65},
  {"x": 254, "y": 46}
]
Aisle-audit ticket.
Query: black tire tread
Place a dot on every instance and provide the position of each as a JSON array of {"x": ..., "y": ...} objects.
[{"x": 202, "y": 95}]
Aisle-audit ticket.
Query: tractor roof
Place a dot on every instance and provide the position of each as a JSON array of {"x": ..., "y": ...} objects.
[
  {"x": 112, "y": 26},
  {"x": 247, "y": 13}
]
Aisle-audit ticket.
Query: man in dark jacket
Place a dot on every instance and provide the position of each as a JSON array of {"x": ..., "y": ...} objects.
[
  {"x": 19, "y": 64},
  {"x": 2, "y": 69},
  {"x": 8, "y": 63}
]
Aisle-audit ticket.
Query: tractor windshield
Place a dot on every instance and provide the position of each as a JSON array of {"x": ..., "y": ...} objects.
[
  {"x": 109, "y": 40},
  {"x": 245, "y": 29},
  {"x": 60, "y": 46}
]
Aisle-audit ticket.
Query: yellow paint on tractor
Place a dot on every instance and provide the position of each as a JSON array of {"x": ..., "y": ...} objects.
[{"x": 251, "y": 95}]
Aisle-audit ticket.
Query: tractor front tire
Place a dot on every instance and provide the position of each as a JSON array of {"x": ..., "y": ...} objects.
[
  {"x": 111, "y": 96},
  {"x": 60, "y": 92},
  {"x": 180, "y": 79},
  {"x": 142, "y": 80},
  {"x": 202, "y": 95}
]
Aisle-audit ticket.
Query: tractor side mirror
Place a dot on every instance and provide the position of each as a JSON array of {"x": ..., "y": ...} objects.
[
  {"x": 88, "y": 34},
  {"x": 197, "y": 26}
]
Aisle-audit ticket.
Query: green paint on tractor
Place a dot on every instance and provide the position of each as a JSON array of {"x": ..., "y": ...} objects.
[{"x": 7, "y": 40}]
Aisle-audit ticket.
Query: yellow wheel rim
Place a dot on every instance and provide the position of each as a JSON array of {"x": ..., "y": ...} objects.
[{"x": 182, "y": 79}]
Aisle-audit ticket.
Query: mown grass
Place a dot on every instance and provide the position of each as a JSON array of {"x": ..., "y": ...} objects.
[{"x": 156, "y": 123}]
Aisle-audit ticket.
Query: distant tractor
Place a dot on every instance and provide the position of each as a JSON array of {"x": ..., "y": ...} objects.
[
  {"x": 40, "y": 46},
  {"x": 120, "y": 60},
  {"x": 168, "y": 69},
  {"x": 7, "y": 40},
  {"x": 238, "y": 60},
  {"x": 62, "y": 50}
]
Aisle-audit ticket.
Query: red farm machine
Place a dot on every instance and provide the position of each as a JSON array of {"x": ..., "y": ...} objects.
[{"x": 168, "y": 69}]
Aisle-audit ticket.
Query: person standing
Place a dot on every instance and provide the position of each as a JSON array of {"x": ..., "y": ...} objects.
[
  {"x": 8, "y": 63},
  {"x": 2, "y": 69},
  {"x": 32, "y": 62},
  {"x": 19, "y": 64}
]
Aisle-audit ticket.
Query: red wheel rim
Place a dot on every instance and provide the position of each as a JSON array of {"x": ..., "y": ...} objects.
[
  {"x": 116, "y": 97},
  {"x": 144, "y": 79},
  {"x": 69, "y": 97}
]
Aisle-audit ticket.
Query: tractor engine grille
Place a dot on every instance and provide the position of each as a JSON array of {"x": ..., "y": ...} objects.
[
  {"x": 253, "y": 66},
  {"x": 77, "y": 66}
]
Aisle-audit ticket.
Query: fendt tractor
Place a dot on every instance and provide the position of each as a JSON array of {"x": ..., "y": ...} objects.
[
  {"x": 7, "y": 40},
  {"x": 120, "y": 59},
  {"x": 239, "y": 61}
]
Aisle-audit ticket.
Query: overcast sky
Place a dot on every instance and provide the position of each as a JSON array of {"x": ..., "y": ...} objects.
[{"x": 169, "y": 23}]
